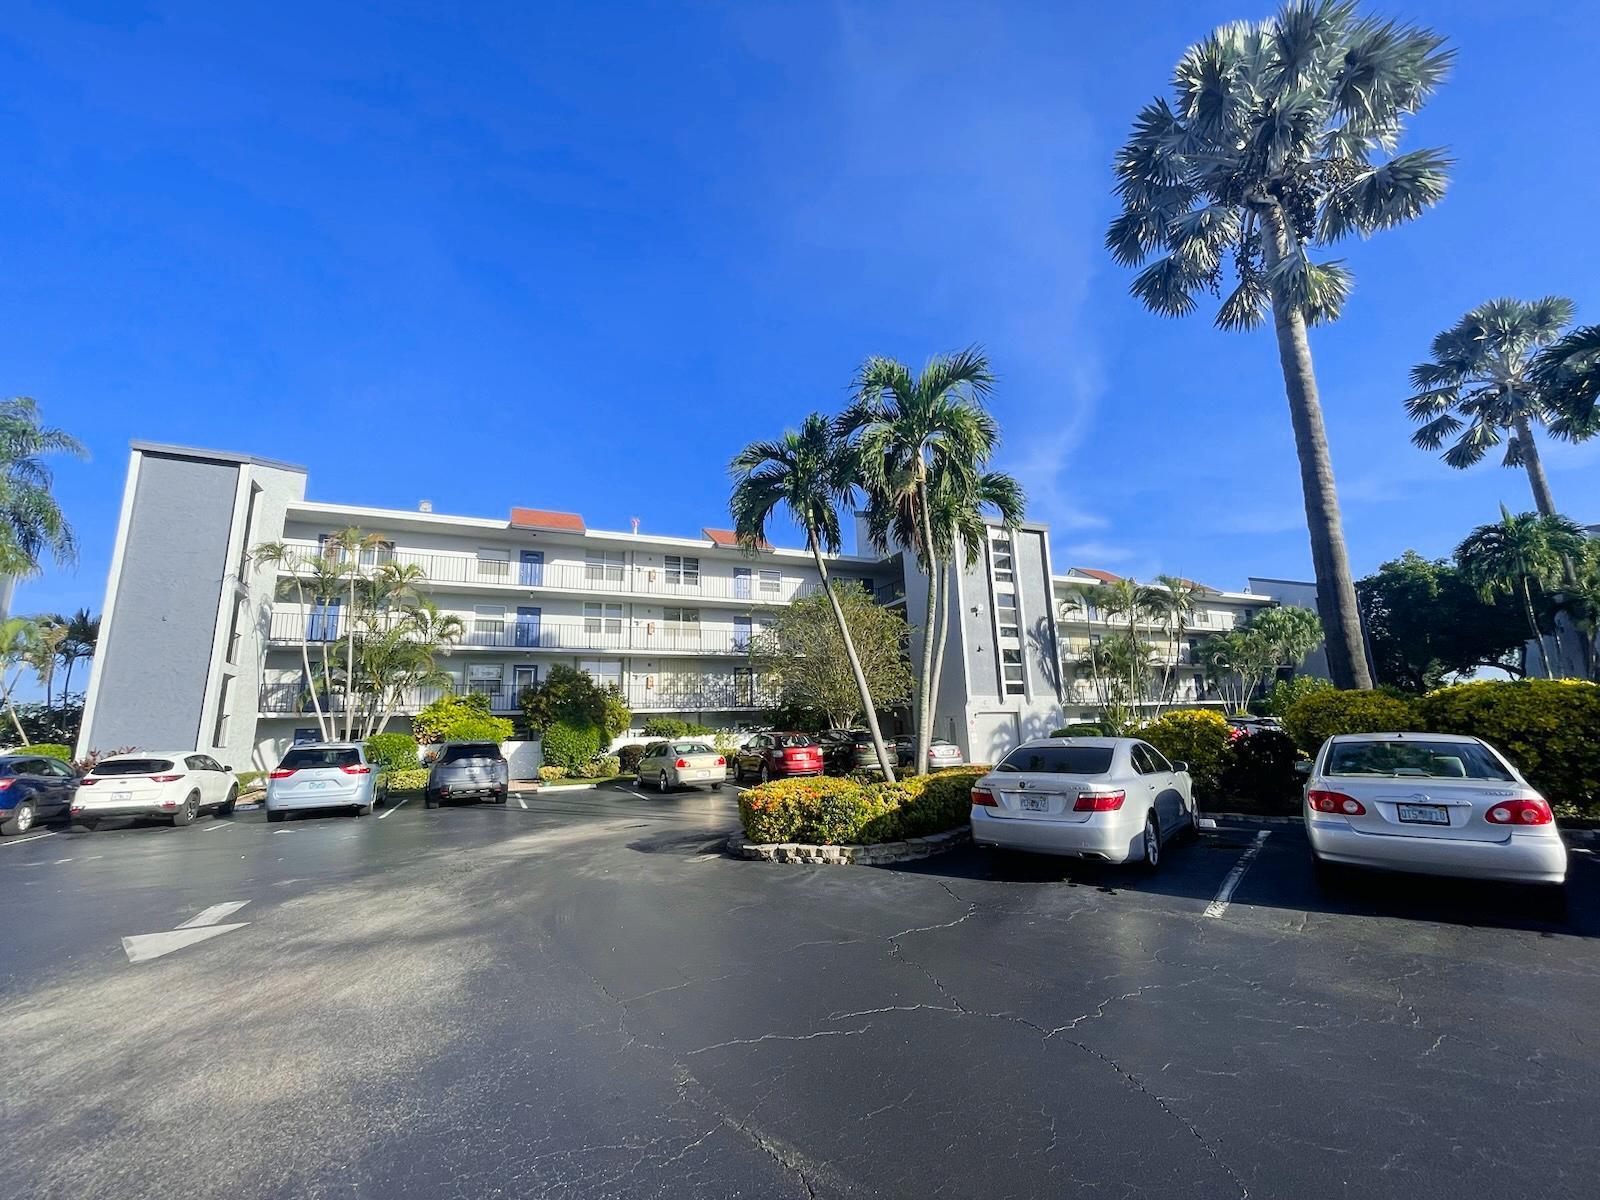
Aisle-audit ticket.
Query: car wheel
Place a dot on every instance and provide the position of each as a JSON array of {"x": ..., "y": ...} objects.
[
  {"x": 1152, "y": 842},
  {"x": 21, "y": 821},
  {"x": 274, "y": 817},
  {"x": 766, "y": 774},
  {"x": 225, "y": 809},
  {"x": 661, "y": 783},
  {"x": 190, "y": 810},
  {"x": 501, "y": 798},
  {"x": 428, "y": 801}
]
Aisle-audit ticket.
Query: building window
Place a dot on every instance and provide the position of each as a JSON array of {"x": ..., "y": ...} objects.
[
  {"x": 494, "y": 566},
  {"x": 488, "y": 623},
  {"x": 1011, "y": 663},
  {"x": 1005, "y": 604},
  {"x": 1001, "y": 558},
  {"x": 682, "y": 626},
  {"x": 484, "y": 679},
  {"x": 683, "y": 570},
  {"x": 744, "y": 687},
  {"x": 379, "y": 553},
  {"x": 606, "y": 673},
  {"x": 599, "y": 617},
  {"x": 603, "y": 566},
  {"x": 771, "y": 583}
]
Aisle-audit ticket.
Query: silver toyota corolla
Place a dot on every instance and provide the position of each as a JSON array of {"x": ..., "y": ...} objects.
[{"x": 1432, "y": 803}]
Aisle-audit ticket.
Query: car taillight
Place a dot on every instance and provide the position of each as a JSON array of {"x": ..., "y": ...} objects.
[
  {"x": 721, "y": 762},
  {"x": 682, "y": 762},
  {"x": 1099, "y": 801},
  {"x": 86, "y": 781},
  {"x": 1520, "y": 812},
  {"x": 166, "y": 778},
  {"x": 1335, "y": 802},
  {"x": 6, "y": 783},
  {"x": 361, "y": 769},
  {"x": 984, "y": 798},
  {"x": 280, "y": 773}
]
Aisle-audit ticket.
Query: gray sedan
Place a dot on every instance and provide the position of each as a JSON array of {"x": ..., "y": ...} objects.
[{"x": 677, "y": 764}]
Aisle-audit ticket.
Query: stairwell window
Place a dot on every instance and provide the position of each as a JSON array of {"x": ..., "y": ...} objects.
[
  {"x": 1011, "y": 664},
  {"x": 1001, "y": 557}
]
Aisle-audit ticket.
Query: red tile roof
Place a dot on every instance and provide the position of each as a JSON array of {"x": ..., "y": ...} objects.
[
  {"x": 543, "y": 518},
  {"x": 1102, "y": 576},
  {"x": 727, "y": 537}
]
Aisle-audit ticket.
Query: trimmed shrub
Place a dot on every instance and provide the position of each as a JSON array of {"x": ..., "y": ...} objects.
[
  {"x": 1082, "y": 729},
  {"x": 1550, "y": 728},
  {"x": 628, "y": 758},
  {"x": 572, "y": 746},
  {"x": 392, "y": 751},
  {"x": 604, "y": 767},
  {"x": 47, "y": 750},
  {"x": 1260, "y": 769},
  {"x": 551, "y": 774},
  {"x": 671, "y": 727},
  {"x": 830, "y": 811},
  {"x": 1196, "y": 736},
  {"x": 411, "y": 779},
  {"x": 1325, "y": 712},
  {"x": 1285, "y": 692},
  {"x": 249, "y": 780}
]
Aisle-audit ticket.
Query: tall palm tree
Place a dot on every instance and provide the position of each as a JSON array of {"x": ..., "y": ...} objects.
[
  {"x": 1568, "y": 374},
  {"x": 83, "y": 633},
  {"x": 1173, "y": 601},
  {"x": 1280, "y": 138},
  {"x": 1515, "y": 556},
  {"x": 809, "y": 473},
  {"x": 906, "y": 431},
  {"x": 31, "y": 522},
  {"x": 1479, "y": 382}
]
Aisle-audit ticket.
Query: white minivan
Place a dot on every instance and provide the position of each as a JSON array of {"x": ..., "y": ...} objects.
[{"x": 317, "y": 775}]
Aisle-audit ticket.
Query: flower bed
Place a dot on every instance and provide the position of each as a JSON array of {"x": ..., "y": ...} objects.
[{"x": 826, "y": 811}]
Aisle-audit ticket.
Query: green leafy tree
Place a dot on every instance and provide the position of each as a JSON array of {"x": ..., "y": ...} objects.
[
  {"x": 1479, "y": 383},
  {"x": 811, "y": 473},
  {"x": 572, "y": 696},
  {"x": 1520, "y": 555},
  {"x": 802, "y": 652},
  {"x": 1172, "y": 602},
  {"x": 453, "y": 718},
  {"x": 1567, "y": 373},
  {"x": 32, "y": 525},
  {"x": 21, "y": 645},
  {"x": 1279, "y": 139},
  {"x": 1285, "y": 692}
]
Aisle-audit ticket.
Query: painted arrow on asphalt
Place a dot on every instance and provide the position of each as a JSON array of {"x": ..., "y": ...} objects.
[{"x": 142, "y": 947}]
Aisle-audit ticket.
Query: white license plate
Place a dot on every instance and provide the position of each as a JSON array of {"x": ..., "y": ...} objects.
[
  {"x": 122, "y": 795},
  {"x": 1035, "y": 804},
  {"x": 1423, "y": 814},
  {"x": 315, "y": 785}
]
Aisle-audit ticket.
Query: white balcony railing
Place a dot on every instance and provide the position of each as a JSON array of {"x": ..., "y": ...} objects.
[{"x": 291, "y": 624}]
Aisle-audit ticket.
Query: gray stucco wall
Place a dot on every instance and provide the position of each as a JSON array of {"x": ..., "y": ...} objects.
[{"x": 154, "y": 663}]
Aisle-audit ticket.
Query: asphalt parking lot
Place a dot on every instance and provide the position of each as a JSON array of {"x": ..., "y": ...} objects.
[{"x": 586, "y": 998}]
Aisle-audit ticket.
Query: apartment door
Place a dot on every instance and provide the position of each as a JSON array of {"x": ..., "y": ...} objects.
[
  {"x": 527, "y": 623},
  {"x": 741, "y": 631},
  {"x": 523, "y": 678},
  {"x": 532, "y": 568},
  {"x": 324, "y": 623},
  {"x": 741, "y": 583}
]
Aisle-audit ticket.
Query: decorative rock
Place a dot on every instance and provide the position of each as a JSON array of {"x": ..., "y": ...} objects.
[{"x": 883, "y": 852}]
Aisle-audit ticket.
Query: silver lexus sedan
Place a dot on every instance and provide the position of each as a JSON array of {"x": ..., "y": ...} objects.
[{"x": 1430, "y": 803}]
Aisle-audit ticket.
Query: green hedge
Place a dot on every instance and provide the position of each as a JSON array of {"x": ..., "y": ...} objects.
[
  {"x": 628, "y": 758},
  {"x": 47, "y": 750},
  {"x": 671, "y": 727},
  {"x": 392, "y": 751},
  {"x": 1196, "y": 736},
  {"x": 830, "y": 811},
  {"x": 412, "y": 779},
  {"x": 1259, "y": 770},
  {"x": 572, "y": 746},
  {"x": 1326, "y": 712},
  {"x": 1083, "y": 729}
]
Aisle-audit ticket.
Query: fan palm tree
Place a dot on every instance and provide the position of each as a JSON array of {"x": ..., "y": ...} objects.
[
  {"x": 31, "y": 522},
  {"x": 1480, "y": 382},
  {"x": 1517, "y": 555},
  {"x": 1567, "y": 373},
  {"x": 809, "y": 473},
  {"x": 906, "y": 432},
  {"x": 83, "y": 632},
  {"x": 1280, "y": 139}
]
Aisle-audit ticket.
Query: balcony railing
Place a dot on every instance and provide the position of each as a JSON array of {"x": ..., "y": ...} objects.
[
  {"x": 710, "y": 695},
  {"x": 613, "y": 578},
  {"x": 294, "y": 625},
  {"x": 714, "y": 695}
]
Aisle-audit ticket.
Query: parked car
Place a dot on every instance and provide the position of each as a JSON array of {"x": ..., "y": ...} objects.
[
  {"x": 777, "y": 756},
  {"x": 1114, "y": 800},
  {"x": 321, "y": 775},
  {"x": 1429, "y": 803},
  {"x": 468, "y": 771},
  {"x": 941, "y": 753},
  {"x": 178, "y": 785},
  {"x": 678, "y": 764},
  {"x": 839, "y": 750},
  {"x": 33, "y": 788},
  {"x": 1239, "y": 727}
]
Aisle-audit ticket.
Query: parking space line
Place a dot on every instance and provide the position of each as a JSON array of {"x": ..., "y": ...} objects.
[
  {"x": 395, "y": 809},
  {"x": 212, "y": 828},
  {"x": 214, "y": 914},
  {"x": 1225, "y": 893},
  {"x": 32, "y": 837},
  {"x": 522, "y": 802}
]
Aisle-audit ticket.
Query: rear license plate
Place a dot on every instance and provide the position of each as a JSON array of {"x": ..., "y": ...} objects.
[
  {"x": 1034, "y": 804},
  {"x": 122, "y": 795},
  {"x": 315, "y": 785},
  {"x": 1423, "y": 814}
]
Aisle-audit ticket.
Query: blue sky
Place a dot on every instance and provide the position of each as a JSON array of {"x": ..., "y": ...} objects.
[{"x": 575, "y": 258}]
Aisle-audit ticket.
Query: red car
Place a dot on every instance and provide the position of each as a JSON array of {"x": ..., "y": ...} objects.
[{"x": 777, "y": 756}]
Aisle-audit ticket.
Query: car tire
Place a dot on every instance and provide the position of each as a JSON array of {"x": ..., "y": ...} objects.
[
  {"x": 766, "y": 774},
  {"x": 428, "y": 801},
  {"x": 225, "y": 809},
  {"x": 501, "y": 797},
  {"x": 1150, "y": 842},
  {"x": 662, "y": 785},
  {"x": 22, "y": 819},
  {"x": 274, "y": 817},
  {"x": 190, "y": 810}
]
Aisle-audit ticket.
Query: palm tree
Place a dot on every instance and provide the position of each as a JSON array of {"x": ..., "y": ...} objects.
[
  {"x": 1479, "y": 382},
  {"x": 1279, "y": 139},
  {"x": 1567, "y": 372},
  {"x": 31, "y": 522},
  {"x": 906, "y": 432},
  {"x": 1173, "y": 602},
  {"x": 809, "y": 473},
  {"x": 1516, "y": 555},
  {"x": 83, "y": 632},
  {"x": 20, "y": 647}
]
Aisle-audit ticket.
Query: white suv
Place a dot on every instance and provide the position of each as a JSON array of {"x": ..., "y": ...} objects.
[{"x": 177, "y": 785}]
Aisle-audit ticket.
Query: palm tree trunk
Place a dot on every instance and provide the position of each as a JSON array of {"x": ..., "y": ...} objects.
[
  {"x": 868, "y": 708},
  {"x": 1533, "y": 625},
  {"x": 350, "y": 653},
  {"x": 944, "y": 637},
  {"x": 925, "y": 699},
  {"x": 305, "y": 659},
  {"x": 1336, "y": 593},
  {"x": 11, "y": 711},
  {"x": 1543, "y": 500}
]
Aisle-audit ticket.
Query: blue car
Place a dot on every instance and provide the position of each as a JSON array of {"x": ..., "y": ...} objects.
[{"x": 33, "y": 788}]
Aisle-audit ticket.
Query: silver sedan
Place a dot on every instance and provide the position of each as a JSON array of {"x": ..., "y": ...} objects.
[
  {"x": 1430, "y": 803},
  {"x": 1115, "y": 800}
]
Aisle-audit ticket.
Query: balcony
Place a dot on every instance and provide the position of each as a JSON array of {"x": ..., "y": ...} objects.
[
  {"x": 293, "y": 625},
  {"x": 590, "y": 578},
  {"x": 708, "y": 695}
]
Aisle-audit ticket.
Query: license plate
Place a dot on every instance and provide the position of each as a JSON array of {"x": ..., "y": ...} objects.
[
  {"x": 1423, "y": 814},
  {"x": 315, "y": 786},
  {"x": 122, "y": 795},
  {"x": 1035, "y": 804}
]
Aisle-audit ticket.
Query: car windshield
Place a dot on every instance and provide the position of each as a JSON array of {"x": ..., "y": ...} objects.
[
  {"x": 134, "y": 766},
  {"x": 469, "y": 754},
  {"x": 304, "y": 757},
  {"x": 1059, "y": 760},
  {"x": 793, "y": 739},
  {"x": 1416, "y": 760},
  {"x": 691, "y": 748}
]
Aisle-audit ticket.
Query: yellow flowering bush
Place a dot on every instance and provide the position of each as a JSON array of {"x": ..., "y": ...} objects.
[{"x": 823, "y": 810}]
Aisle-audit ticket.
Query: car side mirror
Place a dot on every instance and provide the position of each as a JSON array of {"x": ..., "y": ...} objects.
[
  {"x": 1303, "y": 767},
  {"x": 228, "y": 768},
  {"x": 1180, "y": 766}
]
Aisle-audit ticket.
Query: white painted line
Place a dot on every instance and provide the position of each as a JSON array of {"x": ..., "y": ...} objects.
[
  {"x": 59, "y": 861},
  {"x": 276, "y": 832},
  {"x": 92, "y": 857},
  {"x": 1225, "y": 893},
  {"x": 143, "y": 947},
  {"x": 210, "y": 916},
  {"x": 395, "y": 809},
  {"x": 212, "y": 828},
  {"x": 32, "y": 837},
  {"x": 522, "y": 802}
]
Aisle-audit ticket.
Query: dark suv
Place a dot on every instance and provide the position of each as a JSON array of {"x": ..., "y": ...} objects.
[{"x": 467, "y": 771}]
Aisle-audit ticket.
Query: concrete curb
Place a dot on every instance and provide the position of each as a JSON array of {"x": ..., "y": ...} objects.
[
  {"x": 1573, "y": 837},
  {"x": 883, "y": 852}
]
